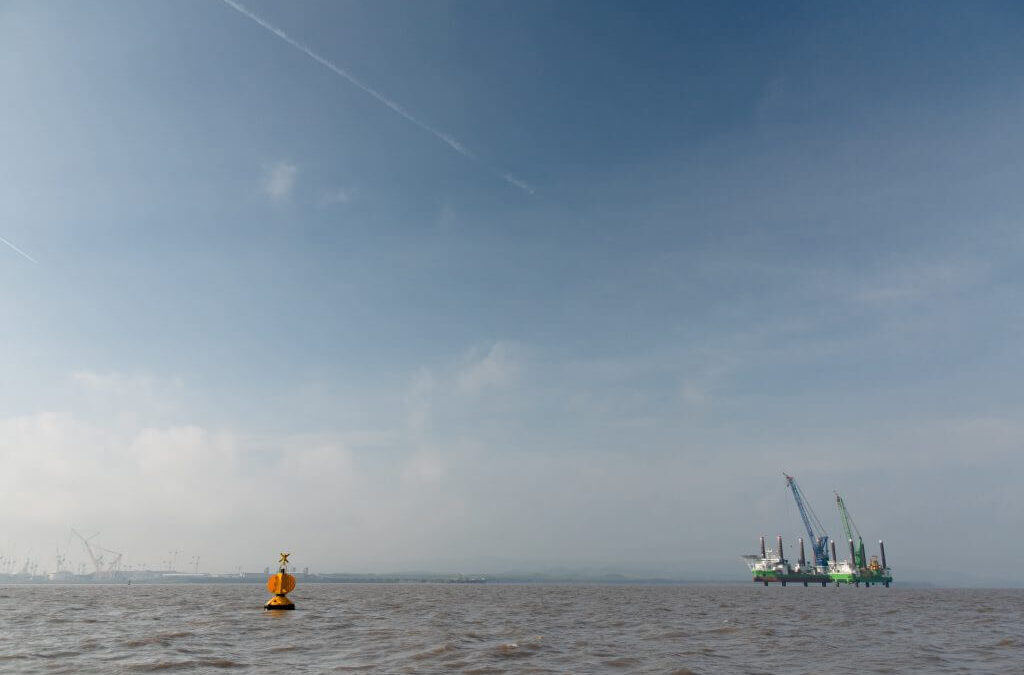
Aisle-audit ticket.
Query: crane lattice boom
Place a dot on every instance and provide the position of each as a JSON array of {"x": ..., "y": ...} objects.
[
  {"x": 815, "y": 530},
  {"x": 859, "y": 557}
]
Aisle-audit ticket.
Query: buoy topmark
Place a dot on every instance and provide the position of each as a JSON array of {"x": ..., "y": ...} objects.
[{"x": 280, "y": 585}]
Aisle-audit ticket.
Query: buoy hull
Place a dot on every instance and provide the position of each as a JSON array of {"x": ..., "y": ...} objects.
[{"x": 279, "y": 602}]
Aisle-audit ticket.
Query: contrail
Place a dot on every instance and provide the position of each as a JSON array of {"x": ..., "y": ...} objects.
[
  {"x": 27, "y": 256},
  {"x": 448, "y": 140},
  {"x": 522, "y": 185}
]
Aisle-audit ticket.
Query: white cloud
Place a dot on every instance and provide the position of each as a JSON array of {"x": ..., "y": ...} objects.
[
  {"x": 279, "y": 180},
  {"x": 456, "y": 479},
  {"x": 132, "y": 399},
  {"x": 125, "y": 385},
  {"x": 694, "y": 394},
  {"x": 339, "y": 196},
  {"x": 424, "y": 467},
  {"x": 61, "y": 471},
  {"x": 447, "y": 219},
  {"x": 915, "y": 283},
  {"x": 498, "y": 367},
  {"x": 149, "y": 485},
  {"x": 208, "y": 492},
  {"x": 418, "y": 401}
]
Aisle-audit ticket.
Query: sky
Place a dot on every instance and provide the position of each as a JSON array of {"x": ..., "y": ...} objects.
[{"x": 494, "y": 286}]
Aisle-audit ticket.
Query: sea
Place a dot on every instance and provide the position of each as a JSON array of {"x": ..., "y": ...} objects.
[{"x": 510, "y": 628}]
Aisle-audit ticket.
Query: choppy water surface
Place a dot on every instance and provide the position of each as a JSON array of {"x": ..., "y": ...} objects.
[{"x": 438, "y": 628}]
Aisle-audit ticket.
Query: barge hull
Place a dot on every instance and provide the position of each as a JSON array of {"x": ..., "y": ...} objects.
[{"x": 805, "y": 579}]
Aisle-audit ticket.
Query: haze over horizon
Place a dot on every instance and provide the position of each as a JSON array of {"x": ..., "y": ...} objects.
[{"x": 464, "y": 286}]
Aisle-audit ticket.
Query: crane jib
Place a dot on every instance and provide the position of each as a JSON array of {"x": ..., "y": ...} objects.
[{"x": 815, "y": 530}]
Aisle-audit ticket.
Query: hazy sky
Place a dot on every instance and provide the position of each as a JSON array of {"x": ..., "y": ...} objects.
[{"x": 510, "y": 285}]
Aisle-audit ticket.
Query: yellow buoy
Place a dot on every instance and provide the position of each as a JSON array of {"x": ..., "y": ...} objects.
[{"x": 280, "y": 585}]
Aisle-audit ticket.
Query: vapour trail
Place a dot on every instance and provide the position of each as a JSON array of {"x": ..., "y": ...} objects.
[
  {"x": 26, "y": 255},
  {"x": 450, "y": 141}
]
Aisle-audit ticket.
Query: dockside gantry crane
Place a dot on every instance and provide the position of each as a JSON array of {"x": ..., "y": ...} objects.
[{"x": 815, "y": 530}]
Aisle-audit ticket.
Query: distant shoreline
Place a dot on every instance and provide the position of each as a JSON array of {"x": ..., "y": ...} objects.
[{"x": 174, "y": 578}]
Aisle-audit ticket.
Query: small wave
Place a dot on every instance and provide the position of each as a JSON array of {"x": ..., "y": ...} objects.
[
  {"x": 56, "y": 655},
  {"x": 683, "y": 671},
  {"x": 511, "y": 650},
  {"x": 162, "y": 639},
  {"x": 183, "y": 665},
  {"x": 220, "y": 663},
  {"x": 518, "y": 649},
  {"x": 155, "y": 667},
  {"x": 356, "y": 667},
  {"x": 622, "y": 662},
  {"x": 445, "y": 648},
  {"x": 670, "y": 635}
]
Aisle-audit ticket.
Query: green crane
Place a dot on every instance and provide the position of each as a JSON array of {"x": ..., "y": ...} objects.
[{"x": 859, "y": 559}]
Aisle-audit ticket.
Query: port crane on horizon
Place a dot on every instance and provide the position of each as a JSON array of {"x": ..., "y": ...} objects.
[
  {"x": 97, "y": 562},
  {"x": 815, "y": 530},
  {"x": 114, "y": 566}
]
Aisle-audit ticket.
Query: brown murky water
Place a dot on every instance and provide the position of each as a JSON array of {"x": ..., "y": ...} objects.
[{"x": 439, "y": 628}]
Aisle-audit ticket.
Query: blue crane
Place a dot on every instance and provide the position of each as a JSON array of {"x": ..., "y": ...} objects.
[{"x": 815, "y": 530}]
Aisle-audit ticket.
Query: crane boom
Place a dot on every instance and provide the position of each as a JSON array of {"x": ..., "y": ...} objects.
[
  {"x": 859, "y": 558},
  {"x": 114, "y": 565},
  {"x": 815, "y": 530},
  {"x": 96, "y": 563}
]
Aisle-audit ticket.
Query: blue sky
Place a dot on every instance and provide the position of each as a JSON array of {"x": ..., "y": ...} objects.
[{"x": 606, "y": 273}]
